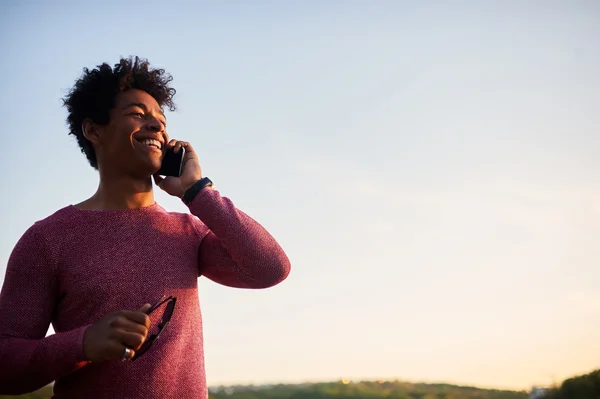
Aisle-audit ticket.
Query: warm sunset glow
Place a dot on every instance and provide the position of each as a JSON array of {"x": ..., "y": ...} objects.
[{"x": 432, "y": 171}]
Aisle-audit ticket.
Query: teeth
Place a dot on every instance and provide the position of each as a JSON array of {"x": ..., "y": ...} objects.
[{"x": 151, "y": 142}]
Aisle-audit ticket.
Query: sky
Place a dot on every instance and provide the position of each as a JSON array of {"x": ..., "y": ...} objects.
[{"x": 430, "y": 168}]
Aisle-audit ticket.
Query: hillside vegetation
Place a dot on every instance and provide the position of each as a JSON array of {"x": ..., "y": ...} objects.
[
  {"x": 582, "y": 387},
  {"x": 364, "y": 390},
  {"x": 339, "y": 390}
]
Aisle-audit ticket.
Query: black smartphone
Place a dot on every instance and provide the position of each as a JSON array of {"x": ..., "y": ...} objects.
[{"x": 172, "y": 164}]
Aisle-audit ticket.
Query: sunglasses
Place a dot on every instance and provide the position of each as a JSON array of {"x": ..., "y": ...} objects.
[{"x": 164, "y": 321}]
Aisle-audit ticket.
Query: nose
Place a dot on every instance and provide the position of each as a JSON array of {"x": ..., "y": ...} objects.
[{"x": 154, "y": 124}]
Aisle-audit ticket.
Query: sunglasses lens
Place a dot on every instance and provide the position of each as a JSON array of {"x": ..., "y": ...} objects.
[
  {"x": 157, "y": 329},
  {"x": 169, "y": 310}
]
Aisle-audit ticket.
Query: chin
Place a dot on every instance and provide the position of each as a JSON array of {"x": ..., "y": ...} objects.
[{"x": 146, "y": 169}]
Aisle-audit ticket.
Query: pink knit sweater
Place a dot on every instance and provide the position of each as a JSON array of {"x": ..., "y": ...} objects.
[{"x": 76, "y": 266}]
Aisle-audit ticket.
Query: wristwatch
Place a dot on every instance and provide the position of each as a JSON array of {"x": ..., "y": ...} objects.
[{"x": 191, "y": 192}]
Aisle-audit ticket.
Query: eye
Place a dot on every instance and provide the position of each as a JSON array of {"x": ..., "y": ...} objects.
[{"x": 137, "y": 114}]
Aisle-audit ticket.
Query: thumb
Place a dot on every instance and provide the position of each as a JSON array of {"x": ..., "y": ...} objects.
[{"x": 145, "y": 308}]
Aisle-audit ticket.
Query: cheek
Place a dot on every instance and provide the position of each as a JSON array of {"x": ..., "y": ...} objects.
[
  {"x": 124, "y": 134},
  {"x": 117, "y": 140}
]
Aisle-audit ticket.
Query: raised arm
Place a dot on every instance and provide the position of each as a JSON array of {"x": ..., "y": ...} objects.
[
  {"x": 237, "y": 251},
  {"x": 28, "y": 359}
]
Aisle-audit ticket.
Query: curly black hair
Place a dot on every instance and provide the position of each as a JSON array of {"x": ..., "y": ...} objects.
[{"x": 94, "y": 93}]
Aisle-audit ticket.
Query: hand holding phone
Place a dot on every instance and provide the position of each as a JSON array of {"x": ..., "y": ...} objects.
[
  {"x": 172, "y": 164},
  {"x": 179, "y": 170}
]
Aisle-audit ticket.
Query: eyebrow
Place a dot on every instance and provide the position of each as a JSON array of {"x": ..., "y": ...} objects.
[{"x": 142, "y": 106}]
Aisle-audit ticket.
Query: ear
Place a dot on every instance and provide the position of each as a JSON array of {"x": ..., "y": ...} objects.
[{"x": 91, "y": 131}]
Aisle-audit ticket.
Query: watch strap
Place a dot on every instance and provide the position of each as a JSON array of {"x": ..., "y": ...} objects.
[{"x": 191, "y": 192}]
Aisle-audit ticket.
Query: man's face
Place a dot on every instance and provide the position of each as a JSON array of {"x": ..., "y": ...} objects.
[{"x": 134, "y": 140}]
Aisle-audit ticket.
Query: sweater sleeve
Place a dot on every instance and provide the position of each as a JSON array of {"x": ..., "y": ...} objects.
[
  {"x": 28, "y": 359},
  {"x": 236, "y": 251}
]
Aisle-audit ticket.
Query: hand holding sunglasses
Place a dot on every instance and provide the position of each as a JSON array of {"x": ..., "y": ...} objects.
[{"x": 162, "y": 324}]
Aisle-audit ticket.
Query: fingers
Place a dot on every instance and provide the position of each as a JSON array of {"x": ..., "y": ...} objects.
[
  {"x": 122, "y": 324},
  {"x": 130, "y": 355},
  {"x": 135, "y": 317},
  {"x": 131, "y": 340},
  {"x": 179, "y": 145},
  {"x": 129, "y": 329},
  {"x": 171, "y": 144},
  {"x": 145, "y": 308},
  {"x": 176, "y": 145},
  {"x": 107, "y": 338},
  {"x": 119, "y": 350},
  {"x": 132, "y": 334}
]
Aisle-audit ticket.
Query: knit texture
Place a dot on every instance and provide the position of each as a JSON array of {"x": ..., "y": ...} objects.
[{"x": 76, "y": 266}]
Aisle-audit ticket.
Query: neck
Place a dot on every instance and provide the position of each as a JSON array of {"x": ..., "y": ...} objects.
[{"x": 122, "y": 192}]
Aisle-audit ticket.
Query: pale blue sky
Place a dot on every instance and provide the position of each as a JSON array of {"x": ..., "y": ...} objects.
[{"x": 431, "y": 169}]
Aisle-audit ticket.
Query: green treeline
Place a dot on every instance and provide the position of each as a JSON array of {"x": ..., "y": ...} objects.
[
  {"x": 583, "y": 387},
  {"x": 338, "y": 390},
  {"x": 364, "y": 390}
]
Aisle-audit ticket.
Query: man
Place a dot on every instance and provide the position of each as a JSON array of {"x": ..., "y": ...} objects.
[{"x": 93, "y": 269}]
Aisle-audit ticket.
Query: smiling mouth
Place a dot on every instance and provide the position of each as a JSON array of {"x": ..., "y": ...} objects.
[{"x": 152, "y": 143}]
